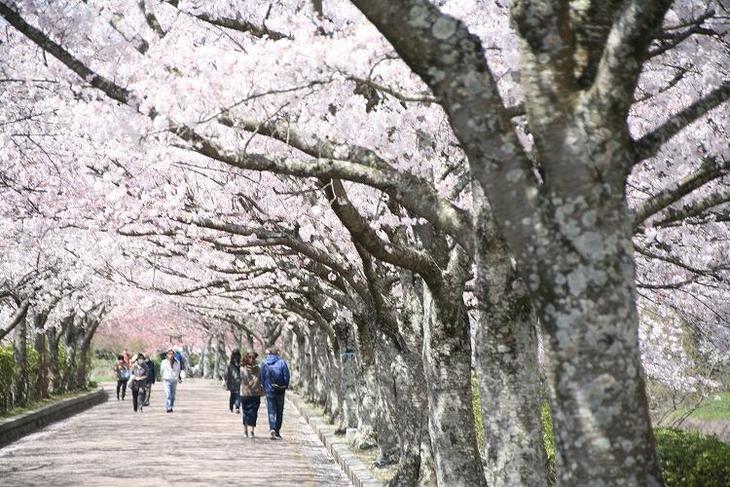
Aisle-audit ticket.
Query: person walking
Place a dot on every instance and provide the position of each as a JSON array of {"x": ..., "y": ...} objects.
[
  {"x": 170, "y": 373},
  {"x": 121, "y": 369},
  {"x": 275, "y": 380},
  {"x": 181, "y": 359},
  {"x": 151, "y": 373},
  {"x": 251, "y": 392},
  {"x": 127, "y": 360},
  {"x": 233, "y": 381},
  {"x": 139, "y": 382}
]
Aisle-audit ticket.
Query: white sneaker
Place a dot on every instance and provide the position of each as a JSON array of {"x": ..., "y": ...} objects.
[{"x": 273, "y": 435}]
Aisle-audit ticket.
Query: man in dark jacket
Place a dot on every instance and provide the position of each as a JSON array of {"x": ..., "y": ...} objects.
[
  {"x": 275, "y": 380},
  {"x": 150, "y": 378}
]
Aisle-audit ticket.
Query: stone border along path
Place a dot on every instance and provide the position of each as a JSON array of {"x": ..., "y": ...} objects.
[
  {"x": 15, "y": 427},
  {"x": 200, "y": 444},
  {"x": 359, "y": 473}
]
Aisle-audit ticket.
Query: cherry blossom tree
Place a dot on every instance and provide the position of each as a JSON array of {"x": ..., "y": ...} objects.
[{"x": 530, "y": 160}]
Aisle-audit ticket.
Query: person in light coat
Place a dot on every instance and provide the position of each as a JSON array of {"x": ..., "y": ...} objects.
[{"x": 170, "y": 373}]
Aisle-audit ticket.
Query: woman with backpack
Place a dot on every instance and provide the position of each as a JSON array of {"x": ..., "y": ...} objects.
[
  {"x": 121, "y": 369},
  {"x": 233, "y": 381},
  {"x": 251, "y": 392}
]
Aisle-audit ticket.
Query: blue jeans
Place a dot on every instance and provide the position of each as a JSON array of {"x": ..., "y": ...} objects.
[
  {"x": 170, "y": 388},
  {"x": 275, "y": 406}
]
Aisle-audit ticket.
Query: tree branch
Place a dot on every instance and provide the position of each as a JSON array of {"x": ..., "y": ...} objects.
[
  {"x": 452, "y": 62},
  {"x": 17, "y": 317},
  {"x": 113, "y": 90},
  {"x": 625, "y": 49},
  {"x": 363, "y": 234},
  {"x": 239, "y": 25},
  {"x": 710, "y": 170},
  {"x": 695, "y": 208},
  {"x": 648, "y": 145}
]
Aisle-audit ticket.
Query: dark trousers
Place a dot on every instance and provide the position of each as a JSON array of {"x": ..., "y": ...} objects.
[
  {"x": 122, "y": 385},
  {"x": 234, "y": 400},
  {"x": 275, "y": 405},
  {"x": 250, "y": 406},
  {"x": 138, "y": 394},
  {"x": 148, "y": 393}
]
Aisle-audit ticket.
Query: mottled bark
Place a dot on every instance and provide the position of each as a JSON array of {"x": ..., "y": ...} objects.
[
  {"x": 569, "y": 230},
  {"x": 600, "y": 408},
  {"x": 505, "y": 360},
  {"x": 347, "y": 374},
  {"x": 39, "y": 344},
  {"x": 447, "y": 367},
  {"x": 54, "y": 373},
  {"x": 54, "y": 341},
  {"x": 206, "y": 369},
  {"x": 332, "y": 379},
  {"x": 20, "y": 361},
  {"x": 408, "y": 390},
  {"x": 220, "y": 361},
  {"x": 300, "y": 360},
  {"x": 91, "y": 324},
  {"x": 319, "y": 353},
  {"x": 310, "y": 367},
  {"x": 71, "y": 346}
]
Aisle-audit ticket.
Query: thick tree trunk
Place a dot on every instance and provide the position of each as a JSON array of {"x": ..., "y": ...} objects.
[
  {"x": 409, "y": 409},
  {"x": 408, "y": 390},
  {"x": 368, "y": 414},
  {"x": 302, "y": 372},
  {"x": 39, "y": 344},
  {"x": 206, "y": 370},
  {"x": 600, "y": 409},
  {"x": 332, "y": 381},
  {"x": 220, "y": 358},
  {"x": 71, "y": 346},
  {"x": 310, "y": 369},
  {"x": 447, "y": 368},
  {"x": 82, "y": 371},
  {"x": 186, "y": 353},
  {"x": 320, "y": 355},
  {"x": 20, "y": 360},
  {"x": 506, "y": 363},
  {"x": 54, "y": 371},
  {"x": 348, "y": 388},
  {"x": 347, "y": 374}
]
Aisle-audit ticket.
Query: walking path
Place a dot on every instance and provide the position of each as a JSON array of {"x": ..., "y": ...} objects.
[{"x": 200, "y": 444}]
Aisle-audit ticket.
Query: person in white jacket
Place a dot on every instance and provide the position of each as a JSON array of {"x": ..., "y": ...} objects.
[{"x": 170, "y": 372}]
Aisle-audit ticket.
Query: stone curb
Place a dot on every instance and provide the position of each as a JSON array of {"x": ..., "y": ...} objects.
[
  {"x": 16, "y": 427},
  {"x": 358, "y": 473}
]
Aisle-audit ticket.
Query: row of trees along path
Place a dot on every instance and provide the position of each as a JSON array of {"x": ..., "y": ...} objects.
[
  {"x": 199, "y": 444},
  {"x": 411, "y": 193}
]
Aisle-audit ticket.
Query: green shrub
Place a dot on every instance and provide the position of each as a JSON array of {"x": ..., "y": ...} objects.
[
  {"x": 7, "y": 370},
  {"x": 63, "y": 357},
  {"x": 690, "y": 459}
]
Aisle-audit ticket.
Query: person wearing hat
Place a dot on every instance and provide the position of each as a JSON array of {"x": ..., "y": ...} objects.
[
  {"x": 170, "y": 373},
  {"x": 139, "y": 381}
]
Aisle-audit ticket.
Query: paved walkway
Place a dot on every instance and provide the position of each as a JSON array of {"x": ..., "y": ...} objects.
[{"x": 200, "y": 444}]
